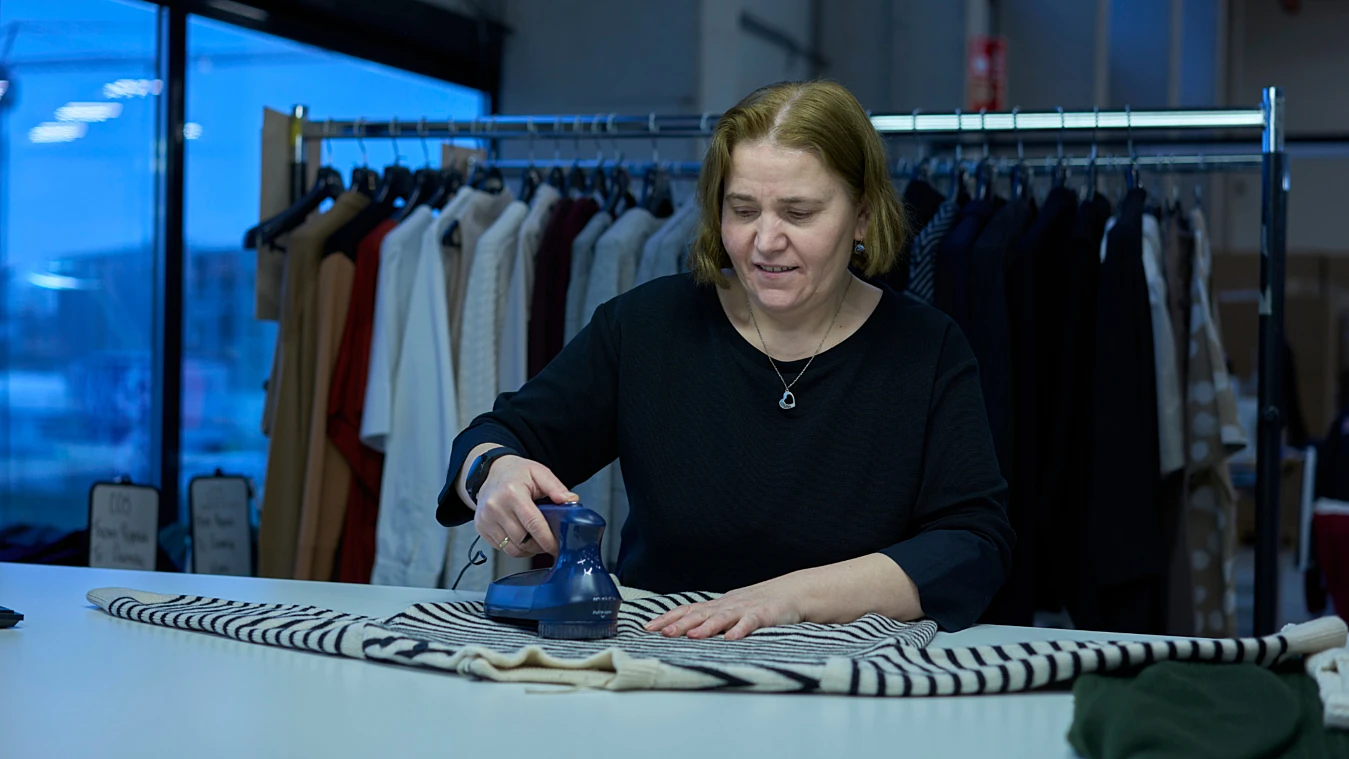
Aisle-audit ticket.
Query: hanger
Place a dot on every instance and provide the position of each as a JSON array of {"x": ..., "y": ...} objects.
[
  {"x": 1131, "y": 172},
  {"x": 983, "y": 170},
  {"x": 958, "y": 168},
  {"x": 620, "y": 199},
  {"x": 1198, "y": 188},
  {"x": 1020, "y": 180},
  {"x": 557, "y": 178},
  {"x": 363, "y": 179},
  {"x": 1091, "y": 187},
  {"x": 657, "y": 197},
  {"x": 425, "y": 182},
  {"x": 531, "y": 178},
  {"x": 327, "y": 185},
  {"x": 529, "y": 184},
  {"x": 451, "y": 179},
  {"x": 576, "y": 181},
  {"x": 598, "y": 185},
  {"x": 1060, "y": 174},
  {"x": 395, "y": 185}
]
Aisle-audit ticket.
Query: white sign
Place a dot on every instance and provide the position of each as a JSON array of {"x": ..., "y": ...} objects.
[
  {"x": 123, "y": 526},
  {"x": 221, "y": 540}
]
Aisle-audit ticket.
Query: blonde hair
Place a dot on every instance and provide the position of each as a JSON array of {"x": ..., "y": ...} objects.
[{"x": 824, "y": 118}]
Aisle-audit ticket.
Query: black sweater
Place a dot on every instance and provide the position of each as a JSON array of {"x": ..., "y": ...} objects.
[{"x": 888, "y": 449}]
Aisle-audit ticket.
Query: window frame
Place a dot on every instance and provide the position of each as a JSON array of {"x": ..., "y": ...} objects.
[{"x": 405, "y": 34}]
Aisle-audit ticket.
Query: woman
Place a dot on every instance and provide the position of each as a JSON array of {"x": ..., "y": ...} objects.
[{"x": 809, "y": 444}]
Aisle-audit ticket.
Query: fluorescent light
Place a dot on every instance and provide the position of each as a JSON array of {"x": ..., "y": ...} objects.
[
  {"x": 57, "y": 282},
  {"x": 88, "y": 112},
  {"x": 239, "y": 9},
  {"x": 1046, "y": 121},
  {"x": 191, "y": 130},
  {"x": 132, "y": 88},
  {"x": 56, "y": 131}
]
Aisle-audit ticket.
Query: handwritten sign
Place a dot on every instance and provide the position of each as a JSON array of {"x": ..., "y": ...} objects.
[
  {"x": 123, "y": 526},
  {"x": 221, "y": 539}
]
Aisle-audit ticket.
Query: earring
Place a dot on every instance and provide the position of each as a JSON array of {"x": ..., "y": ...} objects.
[{"x": 859, "y": 248}]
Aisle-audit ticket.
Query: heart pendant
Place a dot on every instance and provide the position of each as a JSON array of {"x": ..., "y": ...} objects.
[{"x": 788, "y": 401}]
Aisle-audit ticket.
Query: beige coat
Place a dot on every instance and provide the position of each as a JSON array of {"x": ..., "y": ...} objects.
[{"x": 291, "y": 387}]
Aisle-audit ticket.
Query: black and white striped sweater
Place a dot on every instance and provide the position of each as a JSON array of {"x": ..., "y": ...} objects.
[{"x": 873, "y": 656}]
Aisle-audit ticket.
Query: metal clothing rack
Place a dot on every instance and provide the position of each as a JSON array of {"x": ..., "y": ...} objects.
[{"x": 1189, "y": 127}]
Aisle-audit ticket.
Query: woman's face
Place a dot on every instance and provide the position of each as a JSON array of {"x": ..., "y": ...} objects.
[{"x": 788, "y": 225}]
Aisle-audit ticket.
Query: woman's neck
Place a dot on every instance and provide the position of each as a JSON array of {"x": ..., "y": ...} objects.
[{"x": 796, "y": 334}]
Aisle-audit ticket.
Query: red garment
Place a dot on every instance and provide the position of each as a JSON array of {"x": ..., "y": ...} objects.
[
  {"x": 346, "y": 404},
  {"x": 1332, "y": 553},
  {"x": 552, "y": 273}
]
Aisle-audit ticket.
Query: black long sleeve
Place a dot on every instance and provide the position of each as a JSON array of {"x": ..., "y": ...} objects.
[{"x": 887, "y": 451}]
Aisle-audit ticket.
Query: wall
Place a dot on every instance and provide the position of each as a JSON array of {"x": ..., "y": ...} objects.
[
  {"x": 897, "y": 55},
  {"x": 1304, "y": 54},
  {"x": 1051, "y": 56},
  {"x": 674, "y": 56}
]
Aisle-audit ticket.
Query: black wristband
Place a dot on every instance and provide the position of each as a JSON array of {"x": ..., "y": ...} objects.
[{"x": 478, "y": 471}]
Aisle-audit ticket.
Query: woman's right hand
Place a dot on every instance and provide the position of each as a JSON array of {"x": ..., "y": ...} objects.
[{"x": 506, "y": 506}]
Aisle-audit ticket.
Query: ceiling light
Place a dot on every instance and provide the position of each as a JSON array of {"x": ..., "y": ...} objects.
[
  {"x": 239, "y": 9},
  {"x": 132, "y": 88},
  {"x": 57, "y": 131},
  {"x": 88, "y": 112},
  {"x": 56, "y": 282}
]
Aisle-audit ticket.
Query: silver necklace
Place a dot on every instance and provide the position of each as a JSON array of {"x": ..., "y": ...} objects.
[{"x": 788, "y": 400}]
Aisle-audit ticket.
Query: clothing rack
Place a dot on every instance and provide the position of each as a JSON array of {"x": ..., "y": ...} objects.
[{"x": 1267, "y": 122}]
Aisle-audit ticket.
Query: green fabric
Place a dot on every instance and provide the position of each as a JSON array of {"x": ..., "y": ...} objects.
[{"x": 1196, "y": 711}]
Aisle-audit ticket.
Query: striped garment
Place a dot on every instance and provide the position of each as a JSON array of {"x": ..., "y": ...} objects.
[
  {"x": 922, "y": 261},
  {"x": 873, "y": 656}
]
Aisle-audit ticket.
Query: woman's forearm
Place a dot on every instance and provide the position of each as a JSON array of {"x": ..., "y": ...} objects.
[{"x": 843, "y": 592}]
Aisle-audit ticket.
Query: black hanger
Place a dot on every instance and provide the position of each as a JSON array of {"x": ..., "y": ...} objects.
[
  {"x": 576, "y": 182},
  {"x": 451, "y": 180},
  {"x": 599, "y": 185},
  {"x": 983, "y": 179},
  {"x": 487, "y": 178},
  {"x": 364, "y": 180},
  {"x": 529, "y": 184},
  {"x": 425, "y": 184},
  {"x": 557, "y": 179},
  {"x": 957, "y": 180},
  {"x": 327, "y": 184},
  {"x": 396, "y": 185},
  {"x": 923, "y": 169},
  {"x": 1060, "y": 176},
  {"x": 656, "y": 193},
  {"x": 1131, "y": 176},
  {"x": 1020, "y": 181},
  {"x": 620, "y": 199}
]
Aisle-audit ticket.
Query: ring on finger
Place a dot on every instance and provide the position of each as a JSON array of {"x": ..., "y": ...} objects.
[{"x": 502, "y": 545}]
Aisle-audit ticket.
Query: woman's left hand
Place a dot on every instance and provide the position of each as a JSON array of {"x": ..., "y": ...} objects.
[{"x": 737, "y": 613}]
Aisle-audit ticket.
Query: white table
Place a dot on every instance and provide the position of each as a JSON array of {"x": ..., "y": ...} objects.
[{"x": 77, "y": 682}]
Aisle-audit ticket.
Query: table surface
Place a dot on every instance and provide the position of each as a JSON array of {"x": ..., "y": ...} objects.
[{"x": 76, "y": 682}]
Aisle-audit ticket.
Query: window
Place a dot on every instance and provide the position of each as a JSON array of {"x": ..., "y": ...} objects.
[
  {"x": 233, "y": 74},
  {"x": 77, "y": 241}
]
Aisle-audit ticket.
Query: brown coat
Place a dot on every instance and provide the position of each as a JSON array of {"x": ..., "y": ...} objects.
[
  {"x": 327, "y": 475},
  {"x": 290, "y": 389}
]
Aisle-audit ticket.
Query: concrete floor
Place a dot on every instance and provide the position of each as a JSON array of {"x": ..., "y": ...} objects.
[{"x": 1292, "y": 605}]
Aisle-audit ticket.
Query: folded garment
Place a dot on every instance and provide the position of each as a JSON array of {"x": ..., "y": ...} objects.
[
  {"x": 1190, "y": 710},
  {"x": 1330, "y": 670},
  {"x": 873, "y": 656}
]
